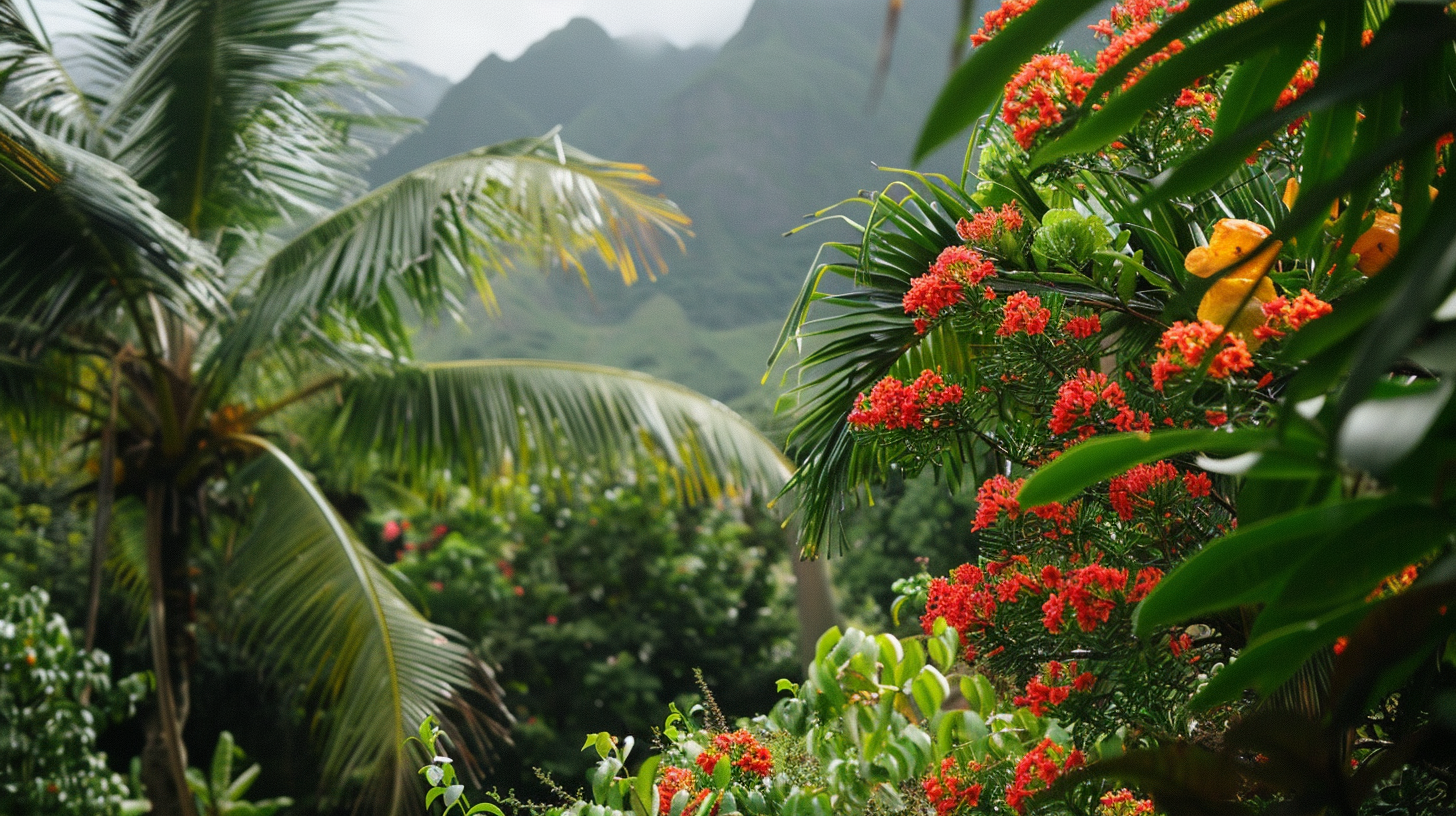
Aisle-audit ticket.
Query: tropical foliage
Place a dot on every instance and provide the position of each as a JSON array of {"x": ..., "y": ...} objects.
[
  {"x": 599, "y": 613},
  {"x": 1185, "y": 327},
  {"x": 55, "y": 699},
  {"x": 196, "y": 288}
]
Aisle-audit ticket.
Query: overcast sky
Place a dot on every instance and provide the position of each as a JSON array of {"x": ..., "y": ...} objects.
[{"x": 450, "y": 36}]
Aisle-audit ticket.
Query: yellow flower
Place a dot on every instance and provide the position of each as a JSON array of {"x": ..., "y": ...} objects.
[
  {"x": 1233, "y": 239},
  {"x": 1221, "y": 305},
  {"x": 1377, "y": 247}
]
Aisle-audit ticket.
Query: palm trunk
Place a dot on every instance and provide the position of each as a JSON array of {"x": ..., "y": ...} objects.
[{"x": 164, "y": 758}]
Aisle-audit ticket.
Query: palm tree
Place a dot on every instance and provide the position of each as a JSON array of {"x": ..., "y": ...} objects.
[{"x": 195, "y": 286}]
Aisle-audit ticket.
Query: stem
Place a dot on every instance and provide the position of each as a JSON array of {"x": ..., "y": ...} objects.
[
  {"x": 105, "y": 498},
  {"x": 161, "y": 663}
]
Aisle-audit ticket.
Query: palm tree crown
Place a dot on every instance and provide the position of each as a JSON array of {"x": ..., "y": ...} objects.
[{"x": 190, "y": 259}]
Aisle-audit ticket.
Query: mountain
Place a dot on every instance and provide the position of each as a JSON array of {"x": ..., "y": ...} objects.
[
  {"x": 598, "y": 88},
  {"x": 747, "y": 140}
]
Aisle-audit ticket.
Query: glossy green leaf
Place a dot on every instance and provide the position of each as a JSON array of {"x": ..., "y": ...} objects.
[
  {"x": 1101, "y": 458},
  {"x": 1266, "y": 664},
  {"x": 1256, "y": 84},
  {"x": 1248, "y": 565},
  {"x": 1346, "y": 567}
]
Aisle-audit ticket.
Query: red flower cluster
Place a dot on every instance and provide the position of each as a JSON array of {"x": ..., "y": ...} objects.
[
  {"x": 1038, "y": 96},
  {"x": 1125, "y": 42},
  {"x": 954, "y": 270},
  {"x": 1124, "y": 803},
  {"x": 1184, "y": 345},
  {"x": 1023, "y": 313},
  {"x": 948, "y": 790},
  {"x": 1041, "y": 693},
  {"x": 1091, "y": 592},
  {"x": 1082, "y": 327},
  {"x": 965, "y": 601},
  {"x": 988, "y": 225},
  {"x": 1038, "y": 769},
  {"x": 1087, "y": 400},
  {"x": 1299, "y": 84},
  {"x": 670, "y": 781},
  {"x": 893, "y": 405},
  {"x": 996, "y": 19},
  {"x": 1129, "y": 492},
  {"x": 998, "y": 494},
  {"x": 742, "y": 751},
  {"x": 1282, "y": 314}
]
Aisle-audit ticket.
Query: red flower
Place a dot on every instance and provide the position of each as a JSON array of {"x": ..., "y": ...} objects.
[
  {"x": 948, "y": 790},
  {"x": 1037, "y": 770},
  {"x": 1038, "y": 96},
  {"x": 1083, "y": 327},
  {"x": 1215, "y": 418},
  {"x": 893, "y": 405},
  {"x": 954, "y": 270},
  {"x": 1147, "y": 579},
  {"x": 1282, "y": 314},
  {"x": 1023, "y": 313},
  {"x": 996, "y": 19},
  {"x": 391, "y": 530},
  {"x": 988, "y": 225},
  {"x": 1089, "y": 399},
  {"x": 1129, "y": 40},
  {"x": 1184, "y": 345},
  {"x": 995, "y": 495}
]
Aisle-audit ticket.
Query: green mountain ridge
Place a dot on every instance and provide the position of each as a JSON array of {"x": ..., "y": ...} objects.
[{"x": 748, "y": 140}]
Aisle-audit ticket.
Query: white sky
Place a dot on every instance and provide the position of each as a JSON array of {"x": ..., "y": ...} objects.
[{"x": 450, "y": 37}]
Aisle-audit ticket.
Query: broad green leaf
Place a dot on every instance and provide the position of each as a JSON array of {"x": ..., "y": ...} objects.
[
  {"x": 1103, "y": 457},
  {"x": 1248, "y": 565},
  {"x": 929, "y": 689},
  {"x": 643, "y": 786},
  {"x": 1266, "y": 664},
  {"x": 1346, "y": 567},
  {"x": 1256, "y": 84}
]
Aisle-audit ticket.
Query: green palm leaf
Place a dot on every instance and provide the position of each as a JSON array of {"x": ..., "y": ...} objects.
[
  {"x": 215, "y": 109},
  {"x": 81, "y": 240},
  {"x": 319, "y": 607},
  {"x": 549, "y": 420},
  {"x": 39, "y": 87},
  {"x": 451, "y": 224}
]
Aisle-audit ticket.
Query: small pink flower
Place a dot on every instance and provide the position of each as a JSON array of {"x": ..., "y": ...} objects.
[
  {"x": 437, "y": 586},
  {"x": 551, "y": 619},
  {"x": 519, "y": 590},
  {"x": 391, "y": 530}
]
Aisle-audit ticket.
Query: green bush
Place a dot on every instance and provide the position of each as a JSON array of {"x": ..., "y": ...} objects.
[
  {"x": 597, "y": 614},
  {"x": 48, "y": 758}
]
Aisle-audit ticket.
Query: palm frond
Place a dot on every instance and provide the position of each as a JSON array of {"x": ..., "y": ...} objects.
[
  {"x": 551, "y": 421},
  {"x": 451, "y": 224},
  {"x": 215, "y": 111},
  {"x": 861, "y": 336},
  {"x": 37, "y": 86},
  {"x": 82, "y": 241},
  {"x": 319, "y": 607}
]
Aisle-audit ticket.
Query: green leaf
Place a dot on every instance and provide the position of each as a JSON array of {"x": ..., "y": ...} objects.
[
  {"x": 1103, "y": 457},
  {"x": 603, "y": 744},
  {"x": 485, "y": 807},
  {"x": 452, "y": 795},
  {"x": 722, "y": 773},
  {"x": 1265, "y": 665},
  {"x": 975, "y": 86},
  {"x": 929, "y": 689},
  {"x": 644, "y": 798},
  {"x": 373, "y": 662},
  {"x": 482, "y": 419},
  {"x": 1349, "y": 565},
  {"x": 1256, "y": 84},
  {"x": 1248, "y": 565}
]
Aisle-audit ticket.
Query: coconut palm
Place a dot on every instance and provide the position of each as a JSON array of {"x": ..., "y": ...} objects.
[{"x": 195, "y": 287}]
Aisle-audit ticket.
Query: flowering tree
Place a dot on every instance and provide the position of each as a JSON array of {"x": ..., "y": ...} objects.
[{"x": 1169, "y": 329}]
